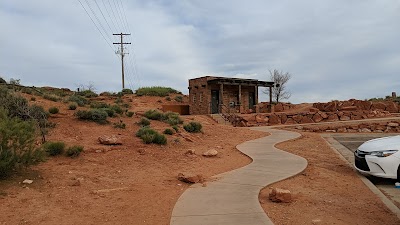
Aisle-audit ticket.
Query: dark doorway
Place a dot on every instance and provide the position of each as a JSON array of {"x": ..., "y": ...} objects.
[
  {"x": 252, "y": 98},
  {"x": 214, "y": 101}
]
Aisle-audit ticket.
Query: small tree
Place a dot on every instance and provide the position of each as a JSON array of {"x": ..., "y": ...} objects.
[{"x": 279, "y": 91}]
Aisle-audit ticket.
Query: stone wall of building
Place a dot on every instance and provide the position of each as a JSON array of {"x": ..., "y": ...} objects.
[
  {"x": 375, "y": 127},
  {"x": 353, "y": 104},
  {"x": 199, "y": 96}
]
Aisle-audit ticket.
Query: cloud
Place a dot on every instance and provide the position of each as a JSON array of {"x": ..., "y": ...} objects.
[{"x": 333, "y": 49}]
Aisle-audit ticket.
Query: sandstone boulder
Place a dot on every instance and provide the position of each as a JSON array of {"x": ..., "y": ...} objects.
[
  {"x": 332, "y": 118},
  {"x": 190, "y": 178},
  {"x": 109, "y": 140},
  {"x": 317, "y": 118},
  {"x": 280, "y": 195},
  {"x": 210, "y": 153},
  {"x": 279, "y": 107},
  {"x": 274, "y": 119}
]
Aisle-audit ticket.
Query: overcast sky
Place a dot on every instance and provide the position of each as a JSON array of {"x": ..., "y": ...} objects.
[{"x": 334, "y": 49}]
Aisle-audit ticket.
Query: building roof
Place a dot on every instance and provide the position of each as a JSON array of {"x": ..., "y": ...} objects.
[{"x": 238, "y": 81}]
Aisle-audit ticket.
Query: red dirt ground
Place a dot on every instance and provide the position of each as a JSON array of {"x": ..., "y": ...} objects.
[
  {"x": 118, "y": 185},
  {"x": 327, "y": 192}
]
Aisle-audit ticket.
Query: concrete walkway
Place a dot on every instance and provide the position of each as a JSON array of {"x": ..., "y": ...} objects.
[{"x": 233, "y": 198}]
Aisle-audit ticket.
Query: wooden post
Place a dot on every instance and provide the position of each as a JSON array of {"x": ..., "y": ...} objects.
[
  {"x": 270, "y": 99},
  {"x": 240, "y": 99},
  {"x": 221, "y": 97}
]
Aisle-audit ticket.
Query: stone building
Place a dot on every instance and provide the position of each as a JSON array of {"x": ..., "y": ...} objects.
[{"x": 210, "y": 95}]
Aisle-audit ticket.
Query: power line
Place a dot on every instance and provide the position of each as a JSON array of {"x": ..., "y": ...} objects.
[
  {"x": 103, "y": 16},
  {"x": 98, "y": 20},
  {"x": 105, "y": 39}
]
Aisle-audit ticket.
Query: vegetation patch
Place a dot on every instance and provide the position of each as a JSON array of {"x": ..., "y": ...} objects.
[
  {"x": 96, "y": 115},
  {"x": 156, "y": 91},
  {"x": 81, "y": 101},
  {"x": 120, "y": 125},
  {"x": 144, "y": 122},
  {"x": 74, "y": 151},
  {"x": 72, "y": 106},
  {"x": 149, "y": 136},
  {"x": 17, "y": 144},
  {"x": 193, "y": 127},
  {"x": 168, "y": 131},
  {"x": 129, "y": 114},
  {"x": 179, "y": 98},
  {"x": 54, "y": 148},
  {"x": 169, "y": 117},
  {"x": 53, "y": 110}
]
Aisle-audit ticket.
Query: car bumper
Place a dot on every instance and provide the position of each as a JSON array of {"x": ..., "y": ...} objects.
[{"x": 385, "y": 167}]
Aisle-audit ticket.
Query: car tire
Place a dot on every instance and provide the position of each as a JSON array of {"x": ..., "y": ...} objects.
[{"x": 398, "y": 173}]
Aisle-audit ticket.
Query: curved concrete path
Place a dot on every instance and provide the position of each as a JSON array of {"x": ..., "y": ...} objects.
[{"x": 233, "y": 198}]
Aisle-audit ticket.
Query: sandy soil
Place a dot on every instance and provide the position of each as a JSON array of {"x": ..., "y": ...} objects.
[
  {"x": 117, "y": 184},
  {"x": 327, "y": 192}
]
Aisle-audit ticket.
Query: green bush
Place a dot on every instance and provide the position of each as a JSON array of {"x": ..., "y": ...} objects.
[
  {"x": 179, "y": 98},
  {"x": 127, "y": 91},
  {"x": 153, "y": 114},
  {"x": 33, "y": 99},
  {"x": 74, "y": 151},
  {"x": 175, "y": 127},
  {"x": 2, "y": 81},
  {"x": 51, "y": 97},
  {"x": 172, "y": 118},
  {"x": 169, "y": 117},
  {"x": 96, "y": 115},
  {"x": 27, "y": 91},
  {"x": 73, "y": 106},
  {"x": 87, "y": 93},
  {"x": 129, "y": 114},
  {"x": 193, "y": 127},
  {"x": 116, "y": 109},
  {"x": 118, "y": 100},
  {"x": 17, "y": 144},
  {"x": 110, "y": 112},
  {"x": 99, "y": 105},
  {"x": 144, "y": 122},
  {"x": 149, "y": 136},
  {"x": 54, "y": 148},
  {"x": 168, "y": 98},
  {"x": 156, "y": 91},
  {"x": 120, "y": 125},
  {"x": 81, "y": 101},
  {"x": 168, "y": 131},
  {"x": 53, "y": 110}
]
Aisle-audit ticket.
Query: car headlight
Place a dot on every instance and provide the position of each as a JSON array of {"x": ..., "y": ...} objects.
[{"x": 385, "y": 153}]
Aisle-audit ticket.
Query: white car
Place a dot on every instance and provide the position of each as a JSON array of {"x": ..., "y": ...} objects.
[{"x": 379, "y": 157}]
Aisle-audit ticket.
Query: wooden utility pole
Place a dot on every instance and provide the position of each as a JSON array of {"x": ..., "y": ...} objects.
[{"x": 122, "y": 53}]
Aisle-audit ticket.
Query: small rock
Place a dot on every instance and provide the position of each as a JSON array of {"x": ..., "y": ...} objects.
[
  {"x": 27, "y": 181},
  {"x": 280, "y": 195},
  {"x": 109, "y": 140},
  {"x": 210, "y": 153},
  {"x": 365, "y": 130},
  {"x": 393, "y": 124},
  {"x": 190, "y": 178},
  {"x": 75, "y": 183},
  {"x": 142, "y": 151},
  {"x": 190, "y": 152}
]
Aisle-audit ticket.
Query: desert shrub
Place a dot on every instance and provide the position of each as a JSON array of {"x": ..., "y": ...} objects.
[
  {"x": 96, "y": 115},
  {"x": 129, "y": 114},
  {"x": 168, "y": 98},
  {"x": 120, "y": 125},
  {"x": 27, "y": 91},
  {"x": 153, "y": 114},
  {"x": 168, "y": 131},
  {"x": 118, "y": 101},
  {"x": 116, "y": 109},
  {"x": 2, "y": 81},
  {"x": 127, "y": 91},
  {"x": 73, "y": 106},
  {"x": 172, "y": 118},
  {"x": 110, "y": 112},
  {"x": 193, "y": 127},
  {"x": 144, "y": 122},
  {"x": 156, "y": 91},
  {"x": 53, "y": 110},
  {"x": 51, "y": 97},
  {"x": 178, "y": 98},
  {"x": 169, "y": 117},
  {"x": 175, "y": 127},
  {"x": 17, "y": 144},
  {"x": 98, "y": 105},
  {"x": 106, "y": 93},
  {"x": 33, "y": 99},
  {"x": 149, "y": 136},
  {"x": 87, "y": 93},
  {"x": 126, "y": 105},
  {"x": 54, "y": 148},
  {"x": 81, "y": 101},
  {"x": 74, "y": 151}
]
